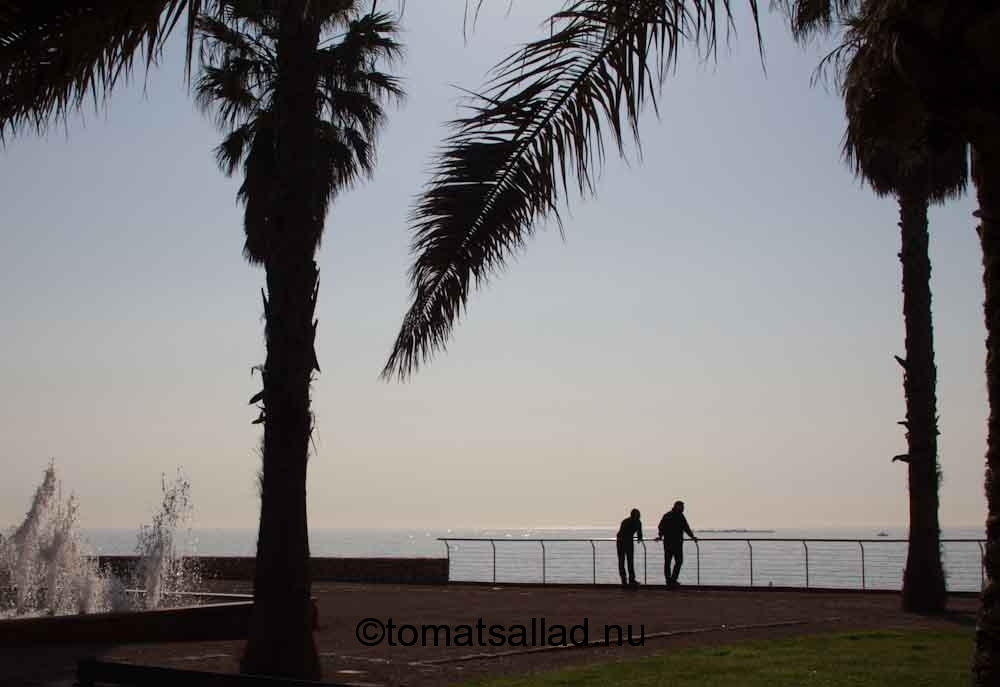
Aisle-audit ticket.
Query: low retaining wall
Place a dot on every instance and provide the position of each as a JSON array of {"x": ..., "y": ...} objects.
[
  {"x": 194, "y": 623},
  {"x": 369, "y": 570}
]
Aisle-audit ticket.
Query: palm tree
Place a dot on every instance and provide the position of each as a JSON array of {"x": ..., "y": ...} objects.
[
  {"x": 917, "y": 172},
  {"x": 947, "y": 54},
  {"x": 986, "y": 176},
  {"x": 56, "y": 56},
  {"x": 241, "y": 83},
  {"x": 881, "y": 112}
]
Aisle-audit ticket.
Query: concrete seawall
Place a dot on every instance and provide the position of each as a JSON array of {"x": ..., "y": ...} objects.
[{"x": 368, "y": 570}]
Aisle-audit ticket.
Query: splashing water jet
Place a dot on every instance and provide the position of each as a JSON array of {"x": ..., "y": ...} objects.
[
  {"x": 44, "y": 569},
  {"x": 161, "y": 570}
]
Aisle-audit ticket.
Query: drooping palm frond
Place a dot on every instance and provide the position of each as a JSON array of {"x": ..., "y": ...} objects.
[
  {"x": 811, "y": 17},
  {"x": 905, "y": 80},
  {"x": 57, "y": 54},
  {"x": 892, "y": 141},
  {"x": 946, "y": 52},
  {"x": 237, "y": 73},
  {"x": 234, "y": 148},
  {"x": 542, "y": 119},
  {"x": 238, "y": 51},
  {"x": 258, "y": 189},
  {"x": 901, "y": 135}
]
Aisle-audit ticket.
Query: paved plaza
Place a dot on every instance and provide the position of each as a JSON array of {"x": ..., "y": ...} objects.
[{"x": 668, "y": 620}]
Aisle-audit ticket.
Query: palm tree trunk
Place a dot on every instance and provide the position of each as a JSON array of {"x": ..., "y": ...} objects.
[
  {"x": 986, "y": 175},
  {"x": 281, "y": 631},
  {"x": 923, "y": 579}
]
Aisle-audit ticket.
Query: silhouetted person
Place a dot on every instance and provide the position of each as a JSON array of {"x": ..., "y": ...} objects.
[
  {"x": 631, "y": 526},
  {"x": 671, "y": 530}
]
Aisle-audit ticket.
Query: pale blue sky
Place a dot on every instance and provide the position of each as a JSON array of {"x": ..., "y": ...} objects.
[{"x": 717, "y": 326}]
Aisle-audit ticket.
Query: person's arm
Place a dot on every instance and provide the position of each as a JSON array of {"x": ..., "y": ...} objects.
[
  {"x": 687, "y": 529},
  {"x": 638, "y": 531}
]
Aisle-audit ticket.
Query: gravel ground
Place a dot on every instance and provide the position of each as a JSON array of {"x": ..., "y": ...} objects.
[{"x": 664, "y": 620}]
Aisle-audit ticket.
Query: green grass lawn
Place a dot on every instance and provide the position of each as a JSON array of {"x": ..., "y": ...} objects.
[{"x": 896, "y": 659}]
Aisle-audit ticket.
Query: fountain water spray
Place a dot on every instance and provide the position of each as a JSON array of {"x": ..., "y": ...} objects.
[
  {"x": 42, "y": 564},
  {"x": 44, "y": 569},
  {"x": 160, "y": 570}
]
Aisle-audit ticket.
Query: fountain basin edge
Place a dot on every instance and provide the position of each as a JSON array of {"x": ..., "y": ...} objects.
[{"x": 214, "y": 621}]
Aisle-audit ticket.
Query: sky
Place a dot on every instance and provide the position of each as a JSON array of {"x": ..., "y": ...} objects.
[{"x": 717, "y": 325}]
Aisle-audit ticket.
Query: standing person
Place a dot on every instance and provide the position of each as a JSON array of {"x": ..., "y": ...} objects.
[
  {"x": 671, "y": 530},
  {"x": 631, "y": 526}
]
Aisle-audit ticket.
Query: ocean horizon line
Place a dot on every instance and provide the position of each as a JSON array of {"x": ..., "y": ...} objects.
[{"x": 550, "y": 528}]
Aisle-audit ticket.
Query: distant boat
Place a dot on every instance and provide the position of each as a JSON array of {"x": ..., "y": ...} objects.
[{"x": 883, "y": 533}]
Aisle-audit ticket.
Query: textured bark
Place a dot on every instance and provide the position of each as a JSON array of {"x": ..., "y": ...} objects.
[
  {"x": 923, "y": 578},
  {"x": 986, "y": 175},
  {"x": 281, "y": 630}
]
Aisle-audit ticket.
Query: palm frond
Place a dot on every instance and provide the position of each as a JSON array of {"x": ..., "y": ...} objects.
[
  {"x": 238, "y": 69},
  {"x": 542, "y": 119},
  {"x": 353, "y": 108},
  {"x": 260, "y": 14},
  {"x": 55, "y": 55},
  {"x": 341, "y": 157},
  {"x": 370, "y": 39},
  {"x": 225, "y": 91},
  {"x": 349, "y": 64},
  {"x": 234, "y": 149},
  {"x": 946, "y": 52},
  {"x": 892, "y": 140},
  {"x": 808, "y": 18},
  {"x": 257, "y": 191}
]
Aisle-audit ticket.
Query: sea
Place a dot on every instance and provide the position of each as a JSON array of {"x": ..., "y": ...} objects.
[{"x": 833, "y": 557}]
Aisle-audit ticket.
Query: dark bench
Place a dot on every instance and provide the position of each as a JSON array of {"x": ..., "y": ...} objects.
[{"x": 90, "y": 673}]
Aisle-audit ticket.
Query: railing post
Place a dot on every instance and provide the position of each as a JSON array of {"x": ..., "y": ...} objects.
[
  {"x": 806, "y": 547},
  {"x": 447, "y": 556},
  {"x": 697, "y": 560},
  {"x": 862, "y": 545},
  {"x": 593, "y": 549},
  {"x": 494, "y": 545},
  {"x": 645, "y": 576},
  {"x": 542, "y": 542},
  {"x": 750, "y": 546}
]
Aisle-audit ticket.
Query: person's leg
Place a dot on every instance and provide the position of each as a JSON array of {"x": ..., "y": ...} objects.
[
  {"x": 621, "y": 561},
  {"x": 678, "y": 562},
  {"x": 666, "y": 564},
  {"x": 630, "y": 554}
]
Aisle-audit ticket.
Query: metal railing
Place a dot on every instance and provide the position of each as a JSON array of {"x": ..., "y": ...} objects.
[{"x": 452, "y": 545}]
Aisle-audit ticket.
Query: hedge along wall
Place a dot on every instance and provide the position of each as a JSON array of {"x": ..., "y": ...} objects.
[{"x": 371, "y": 570}]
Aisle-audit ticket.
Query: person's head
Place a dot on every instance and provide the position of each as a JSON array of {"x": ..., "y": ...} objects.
[
  {"x": 634, "y": 514},
  {"x": 679, "y": 506}
]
